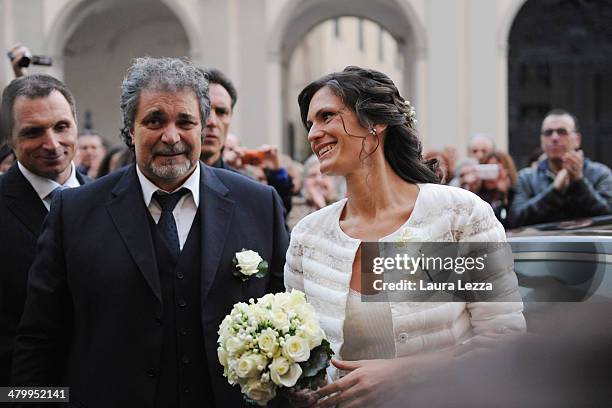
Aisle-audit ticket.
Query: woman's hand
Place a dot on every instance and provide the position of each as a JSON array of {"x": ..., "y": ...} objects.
[
  {"x": 303, "y": 397},
  {"x": 300, "y": 398},
  {"x": 369, "y": 383}
]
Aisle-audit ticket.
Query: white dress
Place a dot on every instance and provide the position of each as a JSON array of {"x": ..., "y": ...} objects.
[
  {"x": 369, "y": 327},
  {"x": 320, "y": 263}
]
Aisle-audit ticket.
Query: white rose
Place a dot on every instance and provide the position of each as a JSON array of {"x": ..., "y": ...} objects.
[
  {"x": 295, "y": 298},
  {"x": 248, "y": 262},
  {"x": 267, "y": 341},
  {"x": 297, "y": 349},
  {"x": 313, "y": 333},
  {"x": 279, "y": 317},
  {"x": 266, "y": 301},
  {"x": 283, "y": 372},
  {"x": 281, "y": 299},
  {"x": 234, "y": 345},
  {"x": 222, "y": 355},
  {"x": 258, "y": 391},
  {"x": 305, "y": 312},
  {"x": 246, "y": 366}
]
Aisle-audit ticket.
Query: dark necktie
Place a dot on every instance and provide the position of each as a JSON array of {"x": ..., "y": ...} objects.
[
  {"x": 55, "y": 192},
  {"x": 166, "y": 224}
]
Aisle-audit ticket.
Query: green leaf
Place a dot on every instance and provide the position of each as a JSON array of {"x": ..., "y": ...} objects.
[
  {"x": 318, "y": 361},
  {"x": 262, "y": 268}
]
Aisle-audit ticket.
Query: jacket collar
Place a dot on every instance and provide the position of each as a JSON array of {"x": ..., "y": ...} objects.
[{"x": 22, "y": 200}]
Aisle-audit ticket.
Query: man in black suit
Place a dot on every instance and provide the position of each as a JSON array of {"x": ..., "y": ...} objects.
[
  {"x": 126, "y": 311},
  {"x": 38, "y": 121}
]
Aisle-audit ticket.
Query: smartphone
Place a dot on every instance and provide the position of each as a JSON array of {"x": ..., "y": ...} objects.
[{"x": 487, "y": 171}]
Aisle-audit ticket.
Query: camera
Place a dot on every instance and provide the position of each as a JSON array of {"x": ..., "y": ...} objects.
[
  {"x": 253, "y": 157},
  {"x": 28, "y": 59},
  {"x": 487, "y": 171}
]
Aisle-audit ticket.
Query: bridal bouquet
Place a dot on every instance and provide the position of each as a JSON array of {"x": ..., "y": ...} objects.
[{"x": 274, "y": 342}]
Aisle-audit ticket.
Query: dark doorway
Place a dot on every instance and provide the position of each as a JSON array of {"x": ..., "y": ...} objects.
[{"x": 561, "y": 57}]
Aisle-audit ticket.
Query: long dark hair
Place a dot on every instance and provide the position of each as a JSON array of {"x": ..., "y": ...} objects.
[{"x": 375, "y": 100}]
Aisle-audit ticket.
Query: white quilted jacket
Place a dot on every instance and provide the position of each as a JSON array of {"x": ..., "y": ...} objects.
[{"x": 321, "y": 255}]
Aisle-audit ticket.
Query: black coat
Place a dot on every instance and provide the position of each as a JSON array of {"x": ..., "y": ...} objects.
[
  {"x": 21, "y": 217},
  {"x": 91, "y": 320}
]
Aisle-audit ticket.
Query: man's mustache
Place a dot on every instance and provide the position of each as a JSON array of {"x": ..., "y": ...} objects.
[{"x": 178, "y": 148}]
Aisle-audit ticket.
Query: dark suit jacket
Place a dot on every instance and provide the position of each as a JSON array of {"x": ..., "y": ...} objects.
[
  {"x": 92, "y": 313},
  {"x": 21, "y": 217}
]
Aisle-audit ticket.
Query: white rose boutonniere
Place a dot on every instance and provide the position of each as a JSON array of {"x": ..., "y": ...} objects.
[{"x": 248, "y": 264}]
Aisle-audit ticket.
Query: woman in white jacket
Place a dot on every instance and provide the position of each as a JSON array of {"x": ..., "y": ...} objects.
[{"x": 362, "y": 129}]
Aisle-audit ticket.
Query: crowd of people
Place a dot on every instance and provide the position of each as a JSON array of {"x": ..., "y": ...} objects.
[
  {"x": 559, "y": 184},
  {"x": 546, "y": 191},
  {"x": 120, "y": 283}
]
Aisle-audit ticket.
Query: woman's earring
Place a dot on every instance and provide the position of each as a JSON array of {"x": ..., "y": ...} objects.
[{"x": 373, "y": 131}]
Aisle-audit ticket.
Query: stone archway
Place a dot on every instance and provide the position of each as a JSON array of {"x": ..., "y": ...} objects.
[
  {"x": 298, "y": 17},
  {"x": 93, "y": 42}
]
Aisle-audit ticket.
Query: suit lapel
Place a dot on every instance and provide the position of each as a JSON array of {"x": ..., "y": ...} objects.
[
  {"x": 82, "y": 179},
  {"x": 130, "y": 216},
  {"x": 22, "y": 200},
  {"x": 216, "y": 212}
]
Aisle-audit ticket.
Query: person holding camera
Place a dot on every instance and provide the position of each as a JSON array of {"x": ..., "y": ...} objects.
[
  {"x": 498, "y": 181},
  {"x": 223, "y": 98},
  {"x": 21, "y": 58}
]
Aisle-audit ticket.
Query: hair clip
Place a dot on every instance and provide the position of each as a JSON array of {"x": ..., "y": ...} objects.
[{"x": 410, "y": 114}]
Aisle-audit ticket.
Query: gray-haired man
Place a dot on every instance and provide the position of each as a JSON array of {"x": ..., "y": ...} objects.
[{"x": 131, "y": 318}]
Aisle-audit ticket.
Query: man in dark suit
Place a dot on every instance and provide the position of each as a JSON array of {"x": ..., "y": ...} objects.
[
  {"x": 126, "y": 310},
  {"x": 39, "y": 123}
]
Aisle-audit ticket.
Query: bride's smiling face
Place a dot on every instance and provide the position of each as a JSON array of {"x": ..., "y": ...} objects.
[{"x": 335, "y": 134}]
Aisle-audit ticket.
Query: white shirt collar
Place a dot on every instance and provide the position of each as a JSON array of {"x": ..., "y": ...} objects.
[
  {"x": 192, "y": 184},
  {"x": 43, "y": 186}
]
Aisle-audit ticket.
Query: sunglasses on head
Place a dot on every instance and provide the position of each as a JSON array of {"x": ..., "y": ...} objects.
[{"x": 560, "y": 132}]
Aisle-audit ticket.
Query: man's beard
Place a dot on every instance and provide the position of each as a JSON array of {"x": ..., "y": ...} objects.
[{"x": 171, "y": 171}]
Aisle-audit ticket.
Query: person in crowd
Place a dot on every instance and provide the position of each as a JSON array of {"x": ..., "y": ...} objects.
[
  {"x": 362, "y": 129},
  {"x": 15, "y": 54},
  {"x": 451, "y": 155},
  {"x": 115, "y": 158},
  {"x": 318, "y": 191},
  {"x": 446, "y": 173},
  {"x": 466, "y": 175},
  {"x": 565, "y": 184},
  {"x": 223, "y": 97},
  {"x": 480, "y": 146},
  {"x": 295, "y": 170},
  {"x": 139, "y": 327},
  {"x": 7, "y": 158},
  {"x": 499, "y": 191},
  {"x": 233, "y": 152},
  {"x": 39, "y": 124},
  {"x": 90, "y": 152},
  {"x": 536, "y": 156}
]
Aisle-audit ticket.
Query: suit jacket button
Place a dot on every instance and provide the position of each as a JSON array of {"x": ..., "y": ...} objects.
[
  {"x": 186, "y": 389},
  {"x": 158, "y": 320},
  {"x": 182, "y": 303},
  {"x": 151, "y": 372},
  {"x": 184, "y": 331},
  {"x": 186, "y": 360},
  {"x": 180, "y": 275}
]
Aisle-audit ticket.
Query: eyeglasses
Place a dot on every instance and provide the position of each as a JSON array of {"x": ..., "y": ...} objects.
[{"x": 560, "y": 132}]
